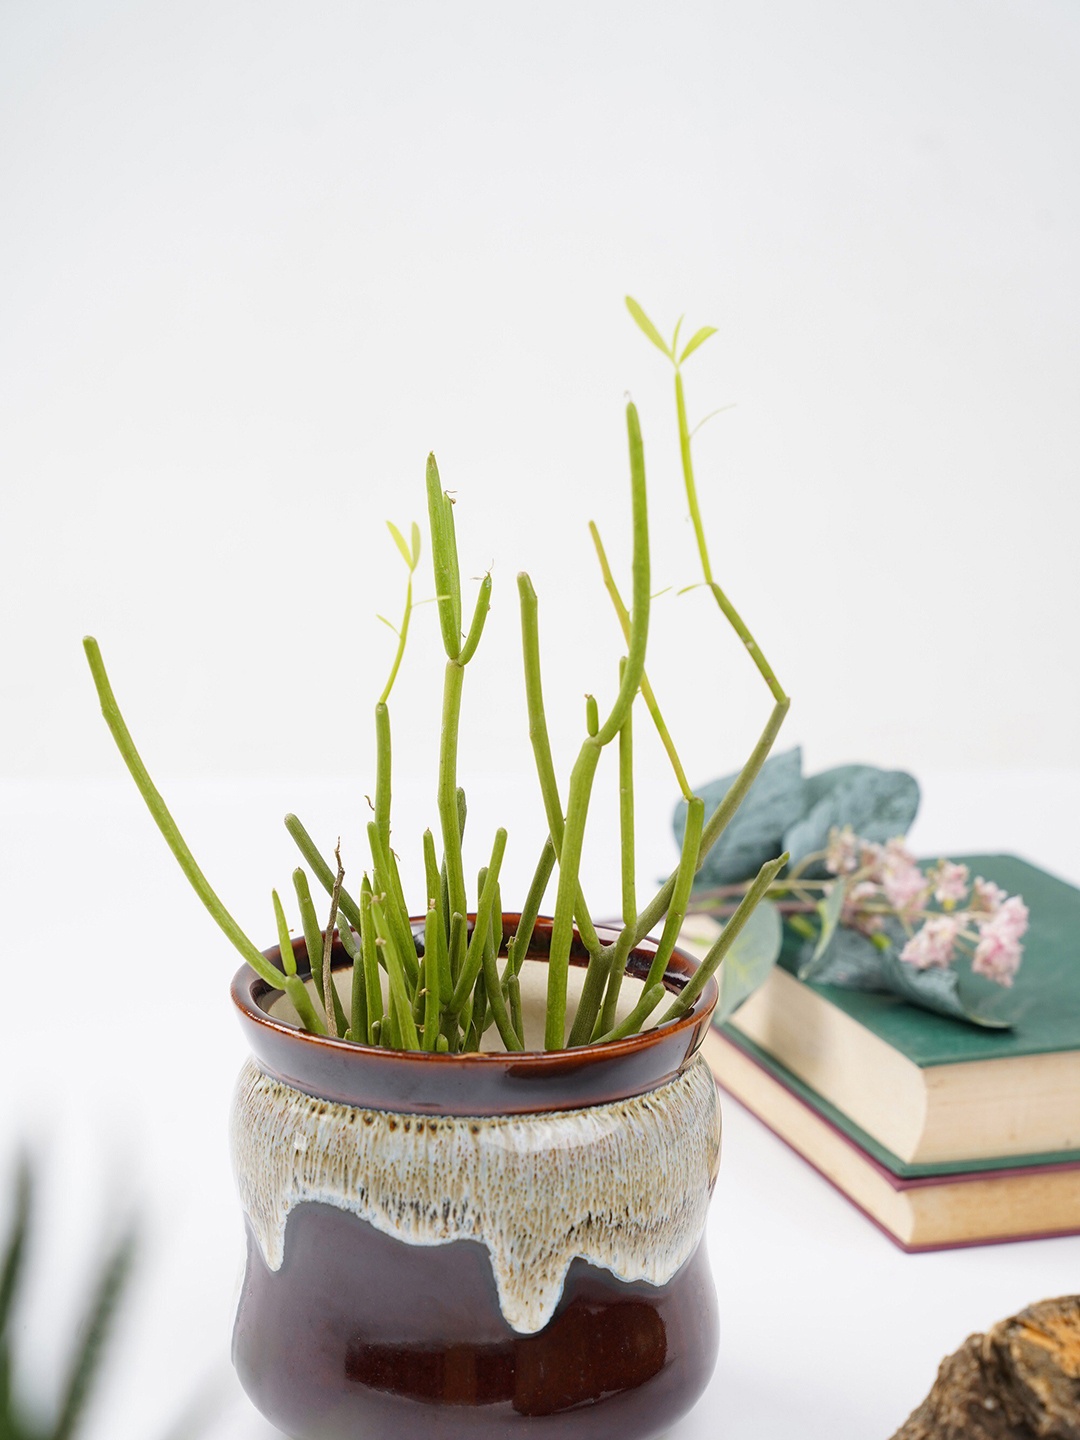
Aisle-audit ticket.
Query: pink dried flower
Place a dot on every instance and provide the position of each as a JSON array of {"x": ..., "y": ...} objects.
[
  {"x": 841, "y": 856},
  {"x": 986, "y": 897},
  {"x": 950, "y": 882},
  {"x": 932, "y": 946},
  {"x": 852, "y": 913},
  {"x": 905, "y": 885},
  {"x": 871, "y": 856},
  {"x": 998, "y": 953}
]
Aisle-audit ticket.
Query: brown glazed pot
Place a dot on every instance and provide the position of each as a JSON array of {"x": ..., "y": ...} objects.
[{"x": 475, "y": 1245}]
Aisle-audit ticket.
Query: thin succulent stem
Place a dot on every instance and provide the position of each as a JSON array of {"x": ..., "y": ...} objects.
[
  {"x": 388, "y": 883},
  {"x": 312, "y": 934},
  {"x": 457, "y": 946},
  {"x": 493, "y": 986},
  {"x": 432, "y": 998},
  {"x": 294, "y": 987},
  {"x": 541, "y": 747},
  {"x": 650, "y": 998},
  {"x": 412, "y": 559},
  {"x": 447, "y": 797},
  {"x": 619, "y": 954},
  {"x": 383, "y": 770},
  {"x": 321, "y": 869},
  {"x": 372, "y": 975},
  {"x": 288, "y": 955},
  {"x": 444, "y": 561},
  {"x": 400, "y": 1003},
  {"x": 513, "y": 999},
  {"x": 585, "y": 768},
  {"x": 684, "y": 879},
  {"x": 431, "y": 870},
  {"x": 358, "y": 1010},
  {"x": 577, "y": 811},
  {"x": 766, "y": 875},
  {"x": 518, "y": 948},
  {"x": 657, "y": 907},
  {"x": 626, "y": 819},
  {"x": 474, "y": 955},
  {"x": 730, "y": 613},
  {"x": 647, "y": 693},
  {"x": 336, "y": 1022},
  {"x": 167, "y": 825},
  {"x": 476, "y": 629}
]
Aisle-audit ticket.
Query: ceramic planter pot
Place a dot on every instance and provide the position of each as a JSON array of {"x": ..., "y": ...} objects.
[{"x": 475, "y": 1245}]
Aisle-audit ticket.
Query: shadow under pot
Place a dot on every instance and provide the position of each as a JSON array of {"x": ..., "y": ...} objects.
[{"x": 493, "y": 1244}]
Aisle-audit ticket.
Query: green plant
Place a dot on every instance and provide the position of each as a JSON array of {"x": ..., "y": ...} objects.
[
  {"x": 85, "y": 1363},
  {"x": 445, "y": 988}
]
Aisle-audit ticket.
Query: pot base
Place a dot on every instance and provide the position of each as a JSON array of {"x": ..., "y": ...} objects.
[{"x": 359, "y": 1334}]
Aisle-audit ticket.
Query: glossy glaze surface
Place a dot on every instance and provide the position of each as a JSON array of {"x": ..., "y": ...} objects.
[
  {"x": 475, "y": 1084},
  {"x": 358, "y": 1335}
]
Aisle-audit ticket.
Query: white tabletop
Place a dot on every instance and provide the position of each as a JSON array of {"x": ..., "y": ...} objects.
[{"x": 827, "y": 1330}]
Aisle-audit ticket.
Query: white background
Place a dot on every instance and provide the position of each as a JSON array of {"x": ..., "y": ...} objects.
[{"x": 255, "y": 261}]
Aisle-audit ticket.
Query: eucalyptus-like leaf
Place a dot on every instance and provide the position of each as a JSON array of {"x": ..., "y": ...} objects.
[
  {"x": 399, "y": 541},
  {"x": 756, "y": 830},
  {"x": 697, "y": 340},
  {"x": 646, "y": 326},
  {"x": 877, "y": 804},
  {"x": 849, "y": 959},
  {"x": 752, "y": 955},
  {"x": 854, "y": 962}
]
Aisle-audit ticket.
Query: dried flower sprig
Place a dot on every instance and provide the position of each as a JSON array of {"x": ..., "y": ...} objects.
[
  {"x": 440, "y": 988},
  {"x": 943, "y": 912}
]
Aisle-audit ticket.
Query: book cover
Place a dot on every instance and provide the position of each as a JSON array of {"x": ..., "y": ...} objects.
[
  {"x": 944, "y": 1210},
  {"x": 1046, "y": 990}
]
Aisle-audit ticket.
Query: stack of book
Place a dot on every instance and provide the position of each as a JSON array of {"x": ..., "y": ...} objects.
[{"x": 941, "y": 1133}]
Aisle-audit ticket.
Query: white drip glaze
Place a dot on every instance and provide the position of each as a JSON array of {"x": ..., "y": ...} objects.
[{"x": 624, "y": 1186}]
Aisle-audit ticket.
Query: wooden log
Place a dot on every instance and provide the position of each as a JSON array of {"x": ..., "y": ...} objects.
[{"x": 1019, "y": 1381}]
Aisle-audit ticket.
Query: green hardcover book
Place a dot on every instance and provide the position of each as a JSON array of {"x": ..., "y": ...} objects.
[{"x": 937, "y": 1093}]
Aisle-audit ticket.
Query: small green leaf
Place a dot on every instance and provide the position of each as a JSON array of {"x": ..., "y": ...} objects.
[
  {"x": 399, "y": 541},
  {"x": 646, "y": 326},
  {"x": 415, "y": 545},
  {"x": 389, "y": 625},
  {"x": 675, "y": 337},
  {"x": 697, "y": 340},
  {"x": 752, "y": 955}
]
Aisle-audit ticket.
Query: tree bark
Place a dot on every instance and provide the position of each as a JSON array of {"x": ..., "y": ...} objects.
[{"x": 1019, "y": 1381}]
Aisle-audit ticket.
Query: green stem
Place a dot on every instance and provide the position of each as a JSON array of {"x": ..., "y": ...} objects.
[
  {"x": 432, "y": 1007},
  {"x": 562, "y": 929},
  {"x": 474, "y": 955},
  {"x": 167, "y": 825},
  {"x": 312, "y": 934},
  {"x": 541, "y": 747},
  {"x": 336, "y": 1022},
  {"x": 723, "y": 943},
  {"x": 647, "y": 693},
  {"x": 321, "y": 870},
  {"x": 519, "y": 946},
  {"x": 657, "y": 907},
  {"x": 295, "y": 988},
  {"x": 358, "y": 1009},
  {"x": 444, "y": 560},
  {"x": 650, "y": 998},
  {"x": 447, "y": 795},
  {"x": 372, "y": 974}
]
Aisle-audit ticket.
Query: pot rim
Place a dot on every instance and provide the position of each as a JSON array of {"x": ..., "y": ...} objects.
[{"x": 480, "y": 1082}]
